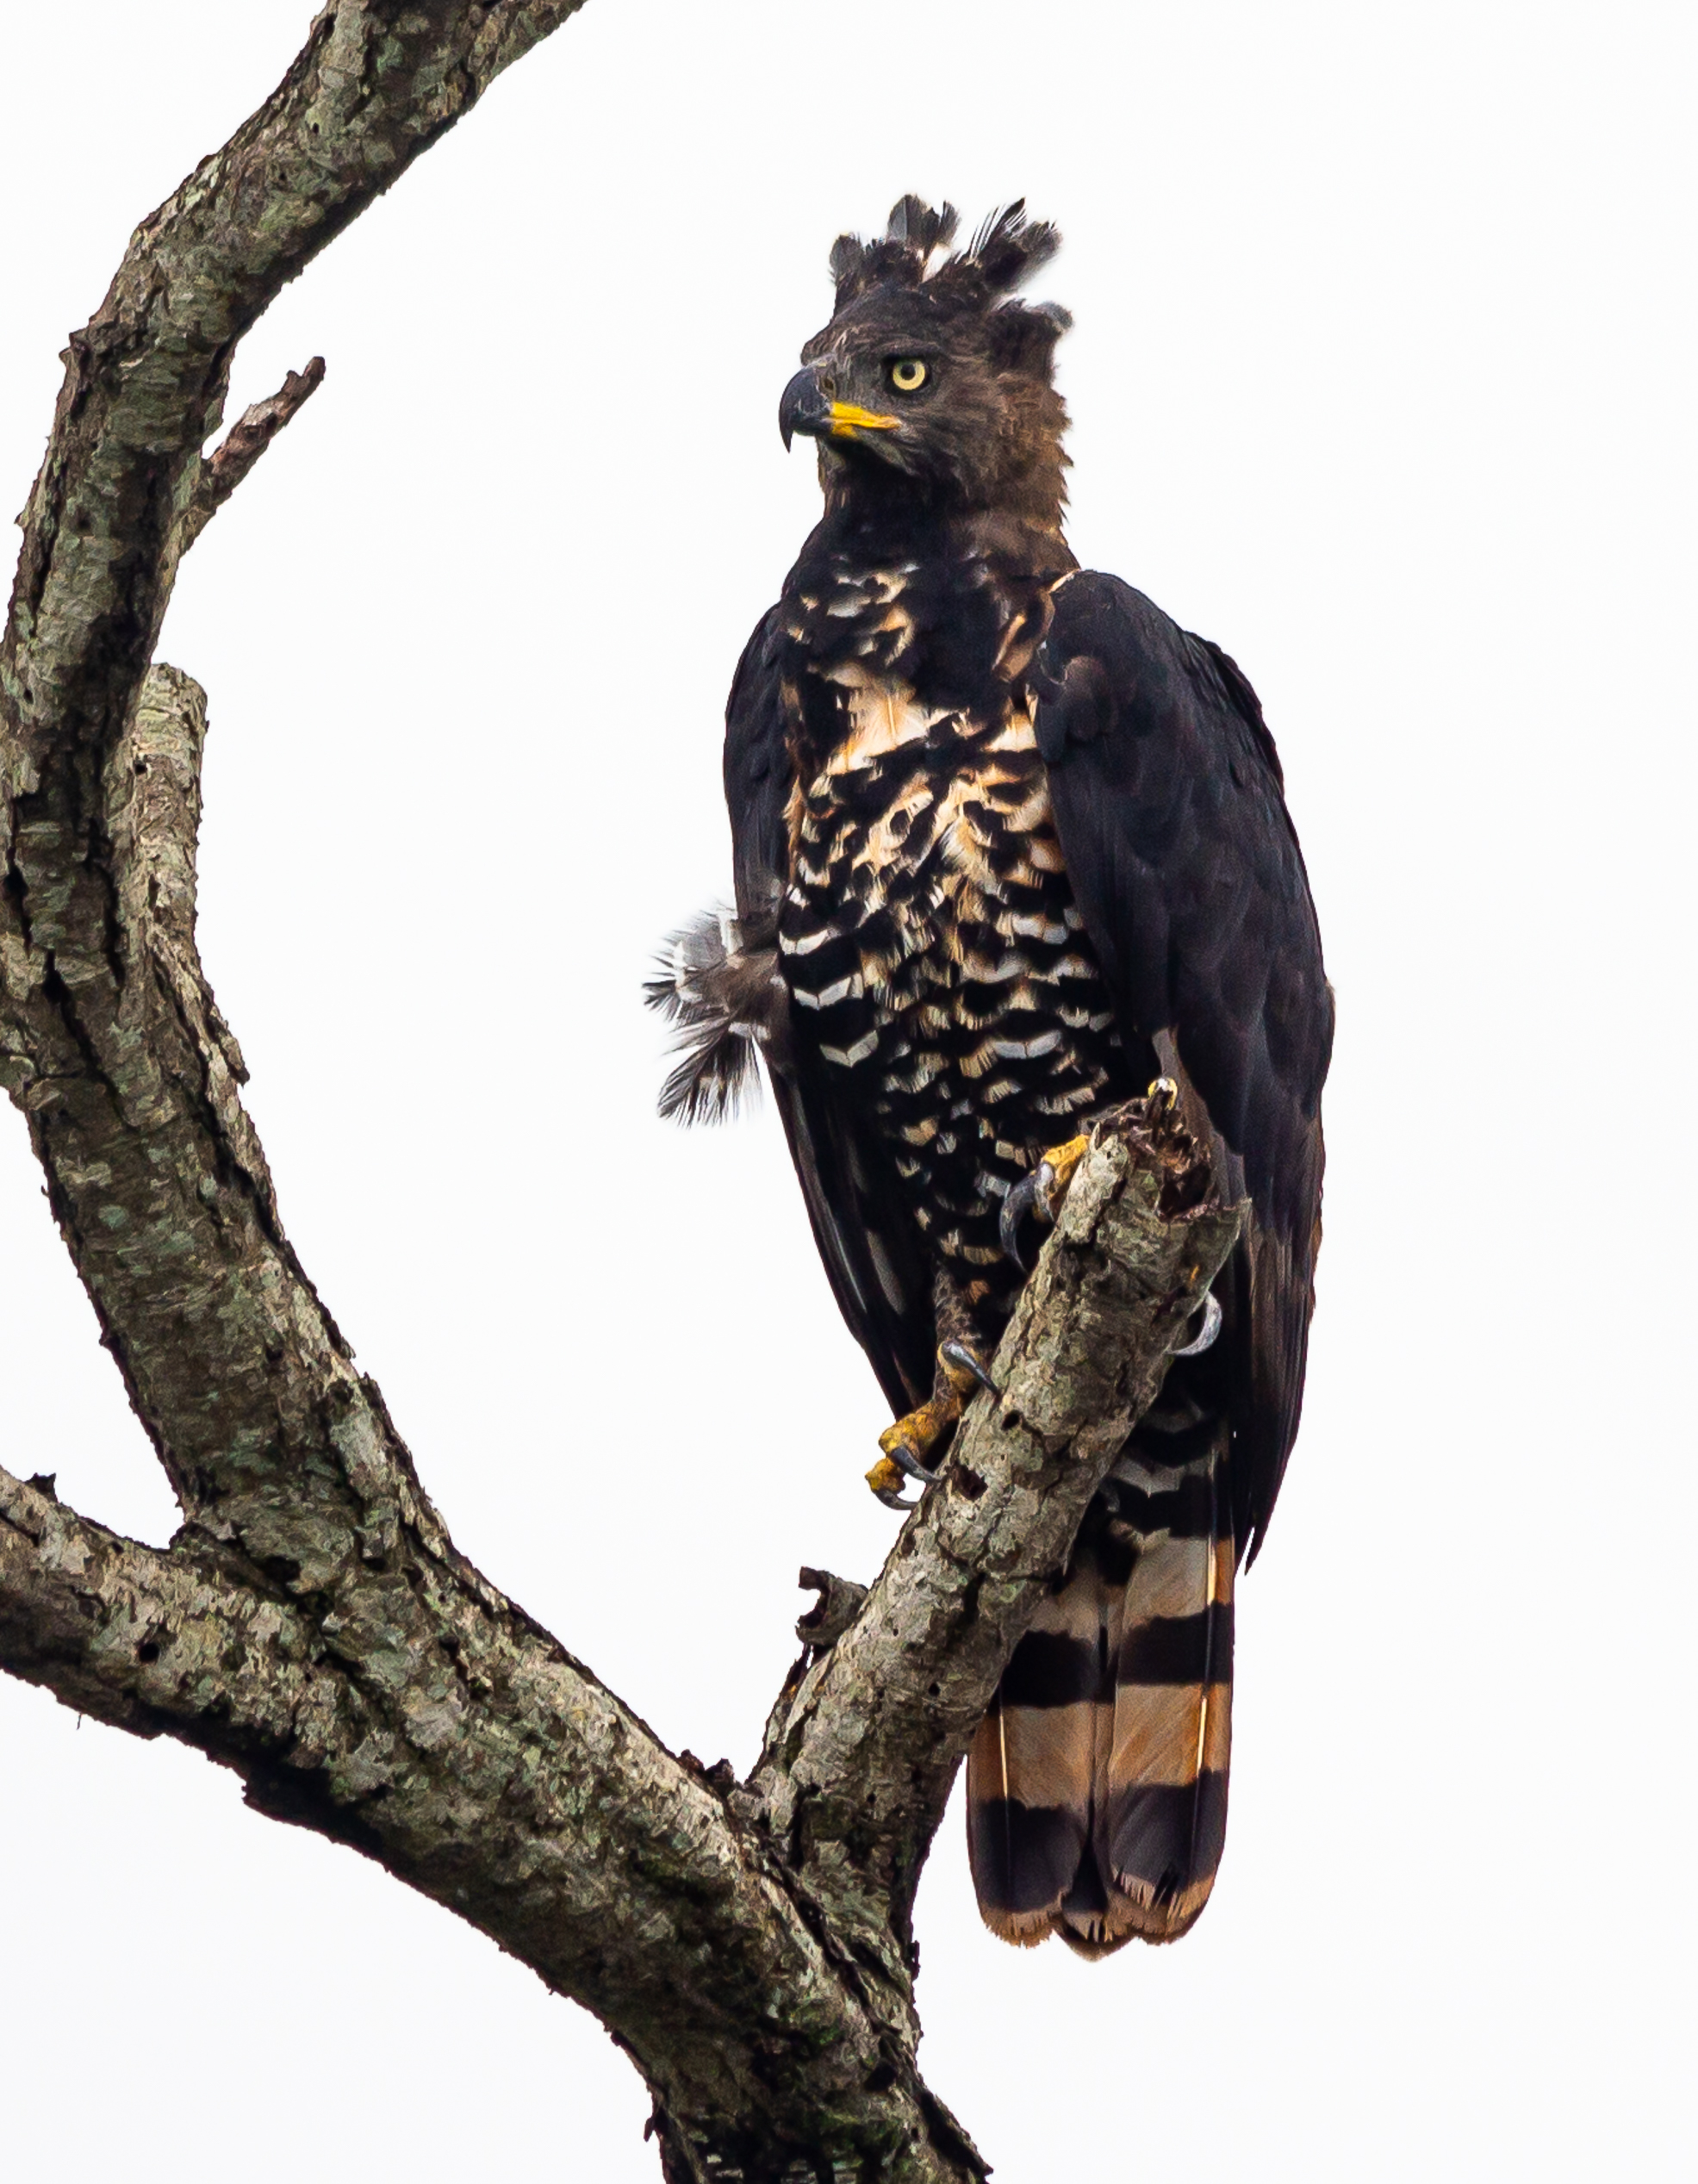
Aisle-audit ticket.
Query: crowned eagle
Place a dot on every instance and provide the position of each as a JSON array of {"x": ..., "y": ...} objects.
[{"x": 1009, "y": 845}]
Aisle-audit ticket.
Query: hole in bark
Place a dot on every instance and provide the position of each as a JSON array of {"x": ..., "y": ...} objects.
[{"x": 148, "y": 1650}]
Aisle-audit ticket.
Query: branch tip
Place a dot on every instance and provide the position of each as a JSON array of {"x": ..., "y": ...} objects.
[{"x": 242, "y": 447}]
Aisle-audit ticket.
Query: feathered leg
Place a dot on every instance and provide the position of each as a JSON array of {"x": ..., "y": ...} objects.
[{"x": 919, "y": 1438}]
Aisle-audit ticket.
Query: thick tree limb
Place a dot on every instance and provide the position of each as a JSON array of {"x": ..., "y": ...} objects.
[
  {"x": 499, "y": 1777},
  {"x": 109, "y": 1041},
  {"x": 313, "y": 1626},
  {"x": 127, "y": 1634}
]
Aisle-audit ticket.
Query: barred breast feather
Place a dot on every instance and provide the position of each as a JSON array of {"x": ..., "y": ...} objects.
[{"x": 932, "y": 951}]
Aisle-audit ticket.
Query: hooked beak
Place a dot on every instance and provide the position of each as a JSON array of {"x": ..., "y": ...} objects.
[{"x": 804, "y": 408}]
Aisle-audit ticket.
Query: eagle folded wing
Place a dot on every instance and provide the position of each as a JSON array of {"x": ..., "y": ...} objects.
[
  {"x": 866, "y": 1239},
  {"x": 1169, "y": 806}
]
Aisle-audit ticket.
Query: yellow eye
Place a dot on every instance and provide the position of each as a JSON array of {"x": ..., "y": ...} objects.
[{"x": 907, "y": 375}]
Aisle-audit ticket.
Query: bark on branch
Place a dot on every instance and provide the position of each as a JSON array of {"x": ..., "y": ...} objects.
[
  {"x": 312, "y": 1626},
  {"x": 242, "y": 447},
  {"x": 127, "y": 1634}
]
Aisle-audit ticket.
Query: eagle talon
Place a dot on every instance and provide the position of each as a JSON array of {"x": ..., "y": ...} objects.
[
  {"x": 1014, "y": 1208},
  {"x": 964, "y": 1366},
  {"x": 1204, "y": 1340},
  {"x": 886, "y": 1480},
  {"x": 1041, "y": 1193},
  {"x": 897, "y": 1454},
  {"x": 904, "y": 1446}
]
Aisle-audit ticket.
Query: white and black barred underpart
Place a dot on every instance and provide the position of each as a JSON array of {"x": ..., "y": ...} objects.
[{"x": 933, "y": 955}]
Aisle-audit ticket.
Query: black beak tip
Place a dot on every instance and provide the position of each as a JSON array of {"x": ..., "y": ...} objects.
[{"x": 802, "y": 408}]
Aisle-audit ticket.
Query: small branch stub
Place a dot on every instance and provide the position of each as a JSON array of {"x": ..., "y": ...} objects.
[
  {"x": 836, "y": 1608},
  {"x": 242, "y": 447}
]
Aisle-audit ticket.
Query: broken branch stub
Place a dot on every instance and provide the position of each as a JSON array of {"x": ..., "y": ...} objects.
[{"x": 242, "y": 447}]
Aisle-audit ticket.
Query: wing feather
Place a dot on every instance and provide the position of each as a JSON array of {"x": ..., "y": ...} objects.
[
  {"x": 1170, "y": 809},
  {"x": 866, "y": 1237}
]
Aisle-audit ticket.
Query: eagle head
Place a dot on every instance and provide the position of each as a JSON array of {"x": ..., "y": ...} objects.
[{"x": 932, "y": 379}]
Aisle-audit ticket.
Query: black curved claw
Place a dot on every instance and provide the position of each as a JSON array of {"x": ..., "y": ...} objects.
[
  {"x": 910, "y": 1464},
  {"x": 959, "y": 1354},
  {"x": 893, "y": 1500},
  {"x": 1015, "y": 1206},
  {"x": 1211, "y": 1328}
]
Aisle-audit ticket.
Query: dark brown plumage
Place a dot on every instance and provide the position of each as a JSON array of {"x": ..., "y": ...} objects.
[{"x": 1008, "y": 845}]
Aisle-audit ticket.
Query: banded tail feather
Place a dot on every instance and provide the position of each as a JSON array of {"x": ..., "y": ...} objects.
[{"x": 1097, "y": 1784}]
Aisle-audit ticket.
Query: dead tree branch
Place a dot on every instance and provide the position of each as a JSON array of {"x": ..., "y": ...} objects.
[
  {"x": 242, "y": 447},
  {"x": 311, "y": 1626}
]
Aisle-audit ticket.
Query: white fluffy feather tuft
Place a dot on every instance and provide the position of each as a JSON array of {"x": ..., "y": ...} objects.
[{"x": 717, "y": 981}]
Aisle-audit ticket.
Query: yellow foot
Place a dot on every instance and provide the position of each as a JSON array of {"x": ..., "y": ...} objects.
[
  {"x": 1040, "y": 1193},
  {"x": 886, "y": 1479},
  {"x": 910, "y": 1440},
  {"x": 1055, "y": 1171}
]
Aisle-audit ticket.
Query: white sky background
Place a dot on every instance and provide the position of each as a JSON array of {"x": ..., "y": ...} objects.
[{"x": 1383, "y": 377}]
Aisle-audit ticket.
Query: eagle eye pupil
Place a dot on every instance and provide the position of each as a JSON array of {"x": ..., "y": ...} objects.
[{"x": 907, "y": 375}]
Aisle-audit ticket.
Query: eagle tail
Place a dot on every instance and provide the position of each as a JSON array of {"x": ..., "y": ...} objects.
[{"x": 1096, "y": 1785}]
